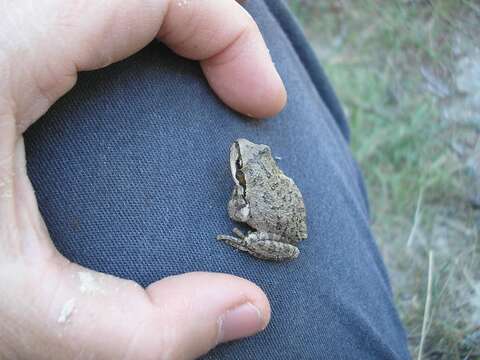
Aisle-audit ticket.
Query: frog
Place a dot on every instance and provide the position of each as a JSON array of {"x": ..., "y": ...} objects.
[{"x": 267, "y": 201}]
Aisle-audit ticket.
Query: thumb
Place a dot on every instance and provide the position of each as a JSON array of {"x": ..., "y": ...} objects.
[
  {"x": 205, "y": 309},
  {"x": 81, "y": 314},
  {"x": 98, "y": 316}
]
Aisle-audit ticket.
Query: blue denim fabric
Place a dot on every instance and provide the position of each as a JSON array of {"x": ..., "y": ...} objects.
[{"x": 131, "y": 173}]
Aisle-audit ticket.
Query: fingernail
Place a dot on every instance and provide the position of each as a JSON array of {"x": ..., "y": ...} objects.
[{"x": 242, "y": 321}]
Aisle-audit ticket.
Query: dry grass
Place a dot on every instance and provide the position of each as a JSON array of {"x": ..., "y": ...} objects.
[{"x": 403, "y": 71}]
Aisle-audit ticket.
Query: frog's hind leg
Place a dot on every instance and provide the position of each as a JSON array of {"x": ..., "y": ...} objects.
[
  {"x": 262, "y": 245},
  {"x": 270, "y": 247}
]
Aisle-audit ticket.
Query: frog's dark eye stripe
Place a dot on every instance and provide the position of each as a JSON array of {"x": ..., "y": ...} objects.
[{"x": 240, "y": 177}]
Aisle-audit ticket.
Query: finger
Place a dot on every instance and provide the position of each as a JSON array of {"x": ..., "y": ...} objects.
[
  {"x": 32, "y": 234},
  {"x": 7, "y": 161},
  {"x": 22, "y": 230},
  {"x": 70, "y": 36},
  {"x": 207, "y": 309},
  {"x": 179, "y": 317},
  {"x": 233, "y": 55}
]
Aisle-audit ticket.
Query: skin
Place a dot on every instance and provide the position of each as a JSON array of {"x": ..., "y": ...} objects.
[{"x": 43, "y": 45}]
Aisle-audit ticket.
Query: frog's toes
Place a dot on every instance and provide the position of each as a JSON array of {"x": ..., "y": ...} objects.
[
  {"x": 239, "y": 233},
  {"x": 238, "y": 243},
  {"x": 226, "y": 238}
]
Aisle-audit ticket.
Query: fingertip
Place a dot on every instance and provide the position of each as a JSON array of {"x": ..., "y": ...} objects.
[
  {"x": 243, "y": 320},
  {"x": 209, "y": 308},
  {"x": 259, "y": 299},
  {"x": 236, "y": 61},
  {"x": 228, "y": 290},
  {"x": 271, "y": 104},
  {"x": 255, "y": 91}
]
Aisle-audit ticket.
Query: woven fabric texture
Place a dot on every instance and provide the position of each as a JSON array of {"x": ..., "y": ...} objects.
[{"x": 131, "y": 173}]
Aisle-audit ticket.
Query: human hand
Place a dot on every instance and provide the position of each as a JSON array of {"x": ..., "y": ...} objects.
[{"x": 52, "y": 308}]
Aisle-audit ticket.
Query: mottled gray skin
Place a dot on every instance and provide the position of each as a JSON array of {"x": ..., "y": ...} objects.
[{"x": 268, "y": 201}]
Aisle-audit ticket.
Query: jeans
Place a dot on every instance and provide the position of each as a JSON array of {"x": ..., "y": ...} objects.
[{"x": 132, "y": 176}]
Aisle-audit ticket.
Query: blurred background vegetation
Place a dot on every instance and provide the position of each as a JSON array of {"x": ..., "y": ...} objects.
[{"x": 408, "y": 75}]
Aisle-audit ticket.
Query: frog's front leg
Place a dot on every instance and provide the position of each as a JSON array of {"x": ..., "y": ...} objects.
[{"x": 262, "y": 245}]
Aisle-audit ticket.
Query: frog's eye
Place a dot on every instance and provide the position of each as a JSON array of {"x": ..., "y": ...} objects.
[
  {"x": 239, "y": 162},
  {"x": 239, "y": 174}
]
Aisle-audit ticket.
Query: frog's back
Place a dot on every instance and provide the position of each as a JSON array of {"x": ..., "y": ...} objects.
[{"x": 276, "y": 206}]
